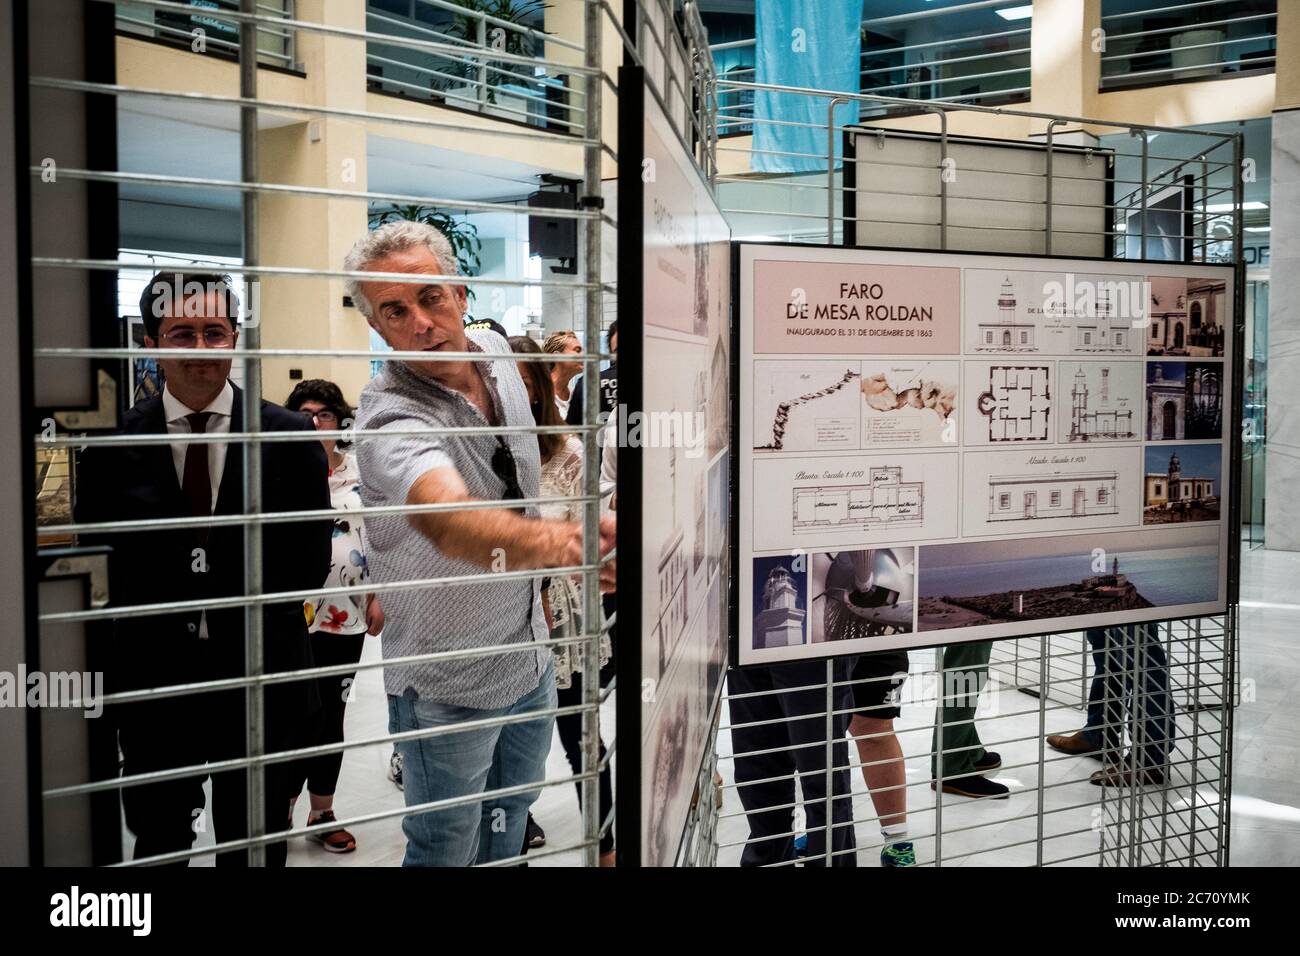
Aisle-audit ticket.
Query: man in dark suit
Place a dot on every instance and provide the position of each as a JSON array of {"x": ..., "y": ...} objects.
[{"x": 195, "y": 314}]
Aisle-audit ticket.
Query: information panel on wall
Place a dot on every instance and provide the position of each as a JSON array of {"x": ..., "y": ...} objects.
[
  {"x": 680, "y": 434},
  {"x": 936, "y": 448}
]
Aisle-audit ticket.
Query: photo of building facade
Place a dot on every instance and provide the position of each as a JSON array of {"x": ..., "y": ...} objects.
[
  {"x": 1170, "y": 496},
  {"x": 1184, "y": 400},
  {"x": 1187, "y": 316},
  {"x": 782, "y": 620}
]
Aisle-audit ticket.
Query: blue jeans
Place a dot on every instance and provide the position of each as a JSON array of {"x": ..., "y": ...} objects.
[
  {"x": 471, "y": 761},
  {"x": 1116, "y": 698}
]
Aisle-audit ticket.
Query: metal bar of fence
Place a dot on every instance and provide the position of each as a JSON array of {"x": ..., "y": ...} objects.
[
  {"x": 1182, "y": 28},
  {"x": 995, "y": 110},
  {"x": 590, "y": 740},
  {"x": 308, "y": 26},
  {"x": 484, "y": 17},
  {"x": 1163, "y": 9},
  {"x": 157, "y": 28},
  {"x": 282, "y": 189},
  {"x": 304, "y": 594},
  {"x": 518, "y": 116},
  {"x": 477, "y": 53},
  {"x": 81, "y": 86},
  {"x": 480, "y": 82},
  {"x": 291, "y": 517},
  {"x": 320, "y": 670},
  {"x": 114, "y": 265},
  {"x": 949, "y": 61},
  {"x": 250, "y": 396},
  {"x": 955, "y": 79},
  {"x": 393, "y": 355},
  {"x": 360, "y": 434},
  {"x": 1184, "y": 49},
  {"x": 261, "y": 759},
  {"x": 431, "y": 806},
  {"x": 1257, "y": 61}
]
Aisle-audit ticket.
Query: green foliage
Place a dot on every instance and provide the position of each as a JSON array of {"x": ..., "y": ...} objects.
[{"x": 465, "y": 27}]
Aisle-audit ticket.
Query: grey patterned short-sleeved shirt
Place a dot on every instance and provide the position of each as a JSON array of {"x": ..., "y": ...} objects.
[{"x": 423, "y": 621}]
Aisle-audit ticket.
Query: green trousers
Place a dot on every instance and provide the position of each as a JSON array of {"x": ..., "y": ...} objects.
[{"x": 966, "y": 670}]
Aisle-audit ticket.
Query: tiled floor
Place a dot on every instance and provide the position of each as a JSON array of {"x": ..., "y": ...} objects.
[{"x": 1265, "y": 821}]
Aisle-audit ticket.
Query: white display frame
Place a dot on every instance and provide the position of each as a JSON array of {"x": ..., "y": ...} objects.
[{"x": 1145, "y": 536}]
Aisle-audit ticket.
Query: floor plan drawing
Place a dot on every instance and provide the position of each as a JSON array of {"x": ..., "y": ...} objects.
[
  {"x": 1018, "y": 403},
  {"x": 886, "y": 500}
]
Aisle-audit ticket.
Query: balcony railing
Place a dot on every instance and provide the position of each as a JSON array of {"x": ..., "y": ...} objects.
[
  {"x": 213, "y": 35},
  {"x": 1177, "y": 42},
  {"x": 501, "y": 72}
]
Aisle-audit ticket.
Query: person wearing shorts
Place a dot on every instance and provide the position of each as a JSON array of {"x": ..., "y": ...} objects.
[{"x": 876, "y": 683}]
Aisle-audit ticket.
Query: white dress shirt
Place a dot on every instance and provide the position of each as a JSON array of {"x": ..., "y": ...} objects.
[{"x": 174, "y": 410}]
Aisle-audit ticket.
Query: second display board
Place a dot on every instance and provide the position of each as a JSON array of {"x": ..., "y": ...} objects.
[{"x": 936, "y": 448}]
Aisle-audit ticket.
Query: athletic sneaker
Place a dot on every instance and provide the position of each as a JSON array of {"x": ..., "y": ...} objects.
[
  {"x": 898, "y": 854},
  {"x": 395, "y": 769}
]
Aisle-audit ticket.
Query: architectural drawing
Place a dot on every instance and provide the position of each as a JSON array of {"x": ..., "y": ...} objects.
[
  {"x": 1017, "y": 497},
  {"x": 884, "y": 501},
  {"x": 1102, "y": 332},
  {"x": 670, "y": 624},
  {"x": 1018, "y": 404},
  {"x": 1005, "y": 334},
  {"x": 776, "y": 441},
  {"x": 1094, "y": 414}
]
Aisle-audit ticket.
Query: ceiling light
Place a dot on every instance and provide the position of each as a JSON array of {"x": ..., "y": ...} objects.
[
  {"x": 1228, "y": 207},
  {"x": 1259, "y": 228},
  {"x": 1016, "y": 13}
]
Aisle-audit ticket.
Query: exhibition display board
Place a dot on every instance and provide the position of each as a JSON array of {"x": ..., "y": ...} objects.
[
  {"x": 674, "y": 435},
  {"x": 936, "y": 448}
]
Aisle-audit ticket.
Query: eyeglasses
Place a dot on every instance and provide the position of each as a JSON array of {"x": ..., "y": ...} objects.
[
  {"x": 324, "y": 415},
  {"x": 503, "y": 466},
  {"x": 213, "y": 338}
]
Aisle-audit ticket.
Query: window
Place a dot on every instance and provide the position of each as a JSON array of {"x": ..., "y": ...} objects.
[
  {"x": 988, "y": 336},
  {"x": 1004, "y": 501},
  {"x": 1102, "y": 494},
  {"x": 1159, "y": 489},
  {"x": 1087, "y": 338},
  {"x": 1155, "y": 330},
  {"x": 1056, "y": 499},
  {"x": 1119, "y": 339},
  {"x": 1024, "y": 337}
]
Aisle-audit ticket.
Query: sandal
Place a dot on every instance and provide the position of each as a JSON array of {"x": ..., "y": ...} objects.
[{"x": 335, "y": 841}]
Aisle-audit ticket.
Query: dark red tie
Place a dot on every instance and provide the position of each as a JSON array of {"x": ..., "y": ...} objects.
[{"x": 196, "y": 483}]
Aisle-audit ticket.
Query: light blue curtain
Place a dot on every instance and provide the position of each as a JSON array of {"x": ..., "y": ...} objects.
[{"x": 808, "y": 43}]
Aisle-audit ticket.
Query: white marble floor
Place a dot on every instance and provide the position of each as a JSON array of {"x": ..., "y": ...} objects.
[{"x": 1265, "y": 818}]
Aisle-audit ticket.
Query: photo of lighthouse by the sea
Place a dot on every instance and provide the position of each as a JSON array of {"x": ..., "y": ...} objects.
[{"x": 968, "y": 585}]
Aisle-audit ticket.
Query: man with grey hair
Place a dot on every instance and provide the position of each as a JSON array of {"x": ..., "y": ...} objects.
[{"x": 441, "y": 466}]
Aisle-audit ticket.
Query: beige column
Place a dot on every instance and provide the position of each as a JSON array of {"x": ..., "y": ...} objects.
[
  {"x": 315, "y": 232},
  {"x": 1064, "y": 62},
  {"x": 1281, "y": 466}
]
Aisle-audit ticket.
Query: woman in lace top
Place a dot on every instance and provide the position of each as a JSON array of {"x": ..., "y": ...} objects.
[{"x": 562, "y": 478}]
